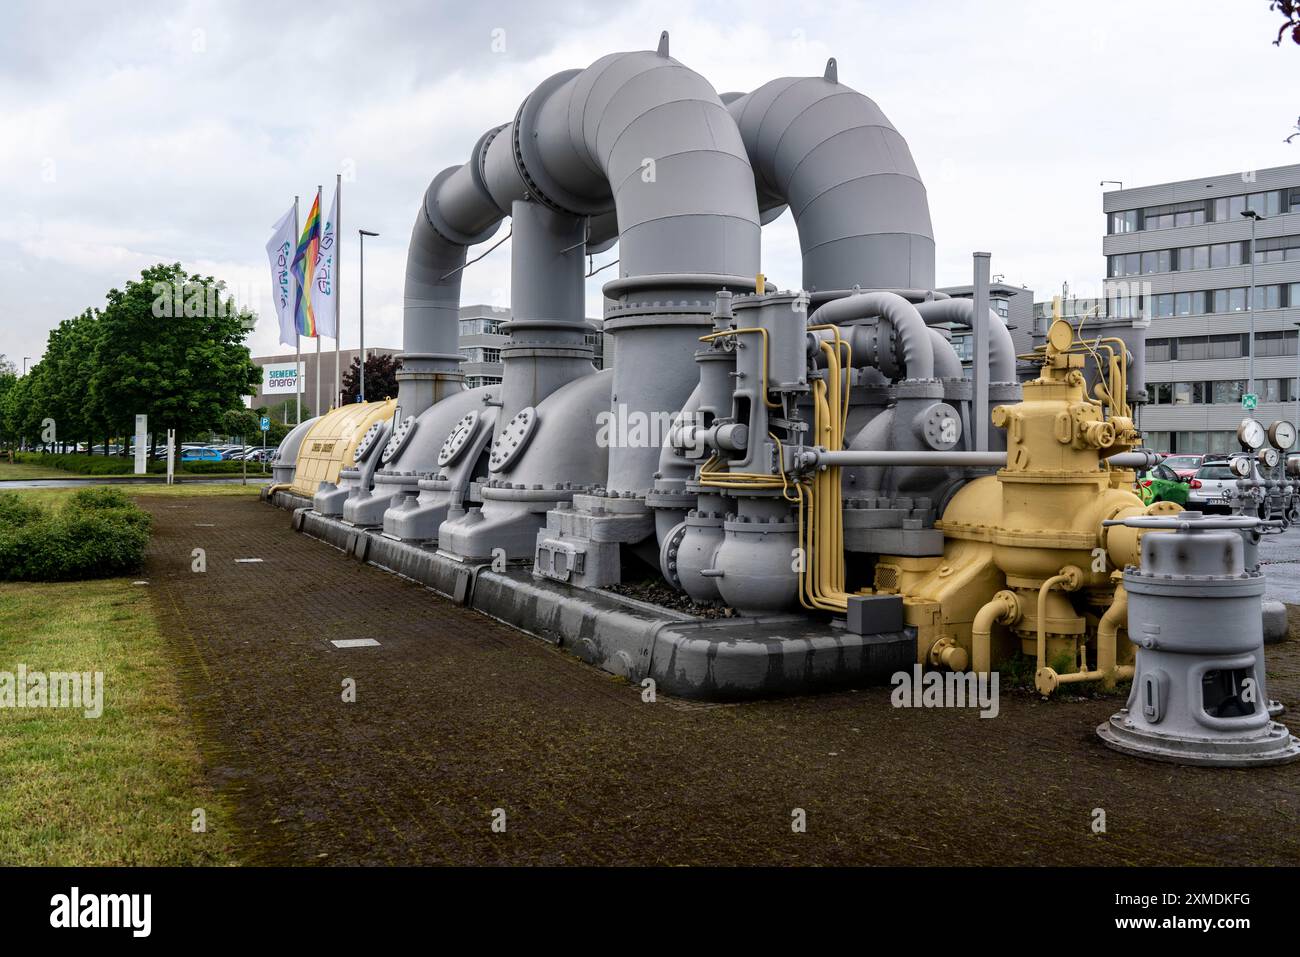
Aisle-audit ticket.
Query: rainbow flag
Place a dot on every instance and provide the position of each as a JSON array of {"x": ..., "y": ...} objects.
[{"x": 304, "y": 265}]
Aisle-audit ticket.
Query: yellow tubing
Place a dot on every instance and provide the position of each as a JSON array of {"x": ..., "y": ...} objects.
[
  {"x": 1116, "y": 616},
  {"x": 1002, "y": 608},
  {"x": 1045, "y": 679}
]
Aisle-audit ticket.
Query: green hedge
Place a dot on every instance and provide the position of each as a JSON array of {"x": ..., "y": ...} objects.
[
  {"x": 81, "y": 464},
  {"x": 96, "y": 533}
]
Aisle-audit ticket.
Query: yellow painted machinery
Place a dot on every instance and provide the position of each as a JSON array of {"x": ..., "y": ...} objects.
[
  {"x": 1027, "y": 563},
  {"x": 329, "y": 446}
]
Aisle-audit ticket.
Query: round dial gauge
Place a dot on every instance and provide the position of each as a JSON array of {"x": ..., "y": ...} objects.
[
  {"x": 1240, "y": 466},
  {"x": 1251, "y": 434},
  {"x": 1281, "y": 435},
  {"x": 1270, "y": 457}
]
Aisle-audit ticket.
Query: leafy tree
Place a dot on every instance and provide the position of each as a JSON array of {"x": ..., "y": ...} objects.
[
  {"x": 170, "y": 346},
  {"x": 243, "y": 423},
  {"x": 381, "y": 378}
]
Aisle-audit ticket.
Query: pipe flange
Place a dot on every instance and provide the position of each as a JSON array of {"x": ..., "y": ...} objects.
[
  {"x": 440, "y": 226},
  {"x": 668, "y": 555},
  {"x": 513, "y": 439},
  {"x": 528, "y": 160},
  {"x": 367, "y": 443},
  {"x": 455, "y": 443},
  {"x": 397, "y": 441}
]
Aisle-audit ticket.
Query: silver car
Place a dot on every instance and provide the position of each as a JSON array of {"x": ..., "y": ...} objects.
[{"x": 1215, "y": 484}]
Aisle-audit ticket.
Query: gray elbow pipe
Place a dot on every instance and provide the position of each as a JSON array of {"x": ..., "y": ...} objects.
[
  {"x": 946, "y": 363},
  {"x": 914, "y": 349},
  {"x": 642, "y": 134},
  {"x": 849, "y": 178},
  {"x": 1002, "y": 352}
]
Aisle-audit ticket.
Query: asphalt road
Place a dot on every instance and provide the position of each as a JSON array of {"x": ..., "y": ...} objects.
[{"x": 1280, "y": 557}]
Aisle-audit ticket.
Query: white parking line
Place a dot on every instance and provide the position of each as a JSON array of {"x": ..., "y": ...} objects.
[{"x": 354, "y": 643}]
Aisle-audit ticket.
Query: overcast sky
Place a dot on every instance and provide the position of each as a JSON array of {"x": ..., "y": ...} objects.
[{"x": 144, "y": 132}]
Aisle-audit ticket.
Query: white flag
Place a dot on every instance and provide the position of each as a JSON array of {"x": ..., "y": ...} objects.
[
  {"x": 324, "y": 293},
  {"x": 279, "y": 250}
]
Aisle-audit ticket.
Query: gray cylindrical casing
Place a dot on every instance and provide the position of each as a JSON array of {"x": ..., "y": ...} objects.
[
  {"x": 1199, "y": 688},
  {"x": 849, "y": 178}
]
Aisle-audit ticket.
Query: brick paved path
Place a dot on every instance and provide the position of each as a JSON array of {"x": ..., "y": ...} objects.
[{"x": 457, "y": 715}]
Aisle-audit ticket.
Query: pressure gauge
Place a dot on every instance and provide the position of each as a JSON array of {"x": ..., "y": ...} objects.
[
  {"x": 1240, "y": 466},
  {"x": 1251, "y": 434},
  {"x": 1281, "y": 435},
  {"x": 1269, "y": 457}
]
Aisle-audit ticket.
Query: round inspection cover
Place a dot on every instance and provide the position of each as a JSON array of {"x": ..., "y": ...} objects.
[
  {"x": 513, "y": 439},
  {"x": 367, "y": 443},
  {"x": 456, "y": 442},
  {"x": 397, "y": 441}
]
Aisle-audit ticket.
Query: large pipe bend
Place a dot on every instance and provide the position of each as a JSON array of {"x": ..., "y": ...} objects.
[
  {"x": 848, "y": 177},
  {"x": 1002, "y": 351},
  {"x": 914, "y": 348}
]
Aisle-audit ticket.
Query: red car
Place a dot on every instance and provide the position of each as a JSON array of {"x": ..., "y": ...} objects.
[{"x": 1184, "y": 465}]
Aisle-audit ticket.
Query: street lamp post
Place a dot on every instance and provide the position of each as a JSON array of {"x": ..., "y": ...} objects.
[
  {"x": 1254, "y": 218},
  {"x": 361, "y": 289}
]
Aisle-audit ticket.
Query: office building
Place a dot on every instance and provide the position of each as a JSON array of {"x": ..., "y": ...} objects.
[
  {"x": 1179, "y": 254},
  {"x": 482, "y": 338}
]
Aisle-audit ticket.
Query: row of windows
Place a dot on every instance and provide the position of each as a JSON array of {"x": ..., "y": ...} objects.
[
  {"x": 477, "y": 381},
  {"x": 480, "y": 326},
  {"x": 1192, "y": 441},
  {"x": 1272, "y": 250},
  {"x": 1232, "y": 346},
  {"x": 1199, "y": 211},
  {"x": 1206, "y": 302},
  {"x": 480, "y": 354},
  {"x": 1219, "y": 391}
]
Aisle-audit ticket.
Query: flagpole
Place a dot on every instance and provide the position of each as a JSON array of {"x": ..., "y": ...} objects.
[
  {"x": 338, "y": 282},
  {"x": 297, "y": 340},
  {"x": 316, "y": 376}
]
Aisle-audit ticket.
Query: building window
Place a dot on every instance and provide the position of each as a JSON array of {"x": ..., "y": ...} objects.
[
  {"x": 1124, "y": 222},
  {"x": 1274, "y": 344},
  {"x": 1158, "y": 350}
]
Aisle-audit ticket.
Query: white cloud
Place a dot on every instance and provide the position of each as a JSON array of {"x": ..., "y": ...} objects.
[{"x": 165, "y": 132}]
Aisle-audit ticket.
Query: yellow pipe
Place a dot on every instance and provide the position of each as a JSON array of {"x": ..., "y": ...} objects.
[
  {"x": 1002, "y": 608},
  {"x": 1107, "y": 671},
  {"x": 1071, "y": 576}
]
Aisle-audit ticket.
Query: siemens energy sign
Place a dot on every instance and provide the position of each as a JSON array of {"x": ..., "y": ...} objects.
[{"x": 284, "y": 378}]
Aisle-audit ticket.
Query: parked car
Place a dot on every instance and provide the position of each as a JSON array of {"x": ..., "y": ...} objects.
[
  {"x": 1217, "y": 483},
  {"x": 200, "y": 455},
  {"x": 1184, "y": 465},
  {"x": 1163, "y": 484}
]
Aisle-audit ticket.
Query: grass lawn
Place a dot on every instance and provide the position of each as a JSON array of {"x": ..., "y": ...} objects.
[
  {"x": 20, "y": 470},
  {"x": 52, "y": 496},
  {"x": 118, "y": 789}
]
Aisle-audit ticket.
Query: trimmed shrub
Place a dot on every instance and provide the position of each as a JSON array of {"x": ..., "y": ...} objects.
[
  {"x": 97, "y": 533},
  {"x": 80, "y": 464},
  {"x": 16, "y": 511}
]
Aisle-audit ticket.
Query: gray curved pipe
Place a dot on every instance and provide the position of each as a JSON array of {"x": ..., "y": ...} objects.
[
  {"x": 648, "y": 137},
  {"x": 849, "y": 178},
  {"x": 914, "y": 347},
  {"x": 1002, "y": 351},
  {"x": 946, "y": 363}
]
